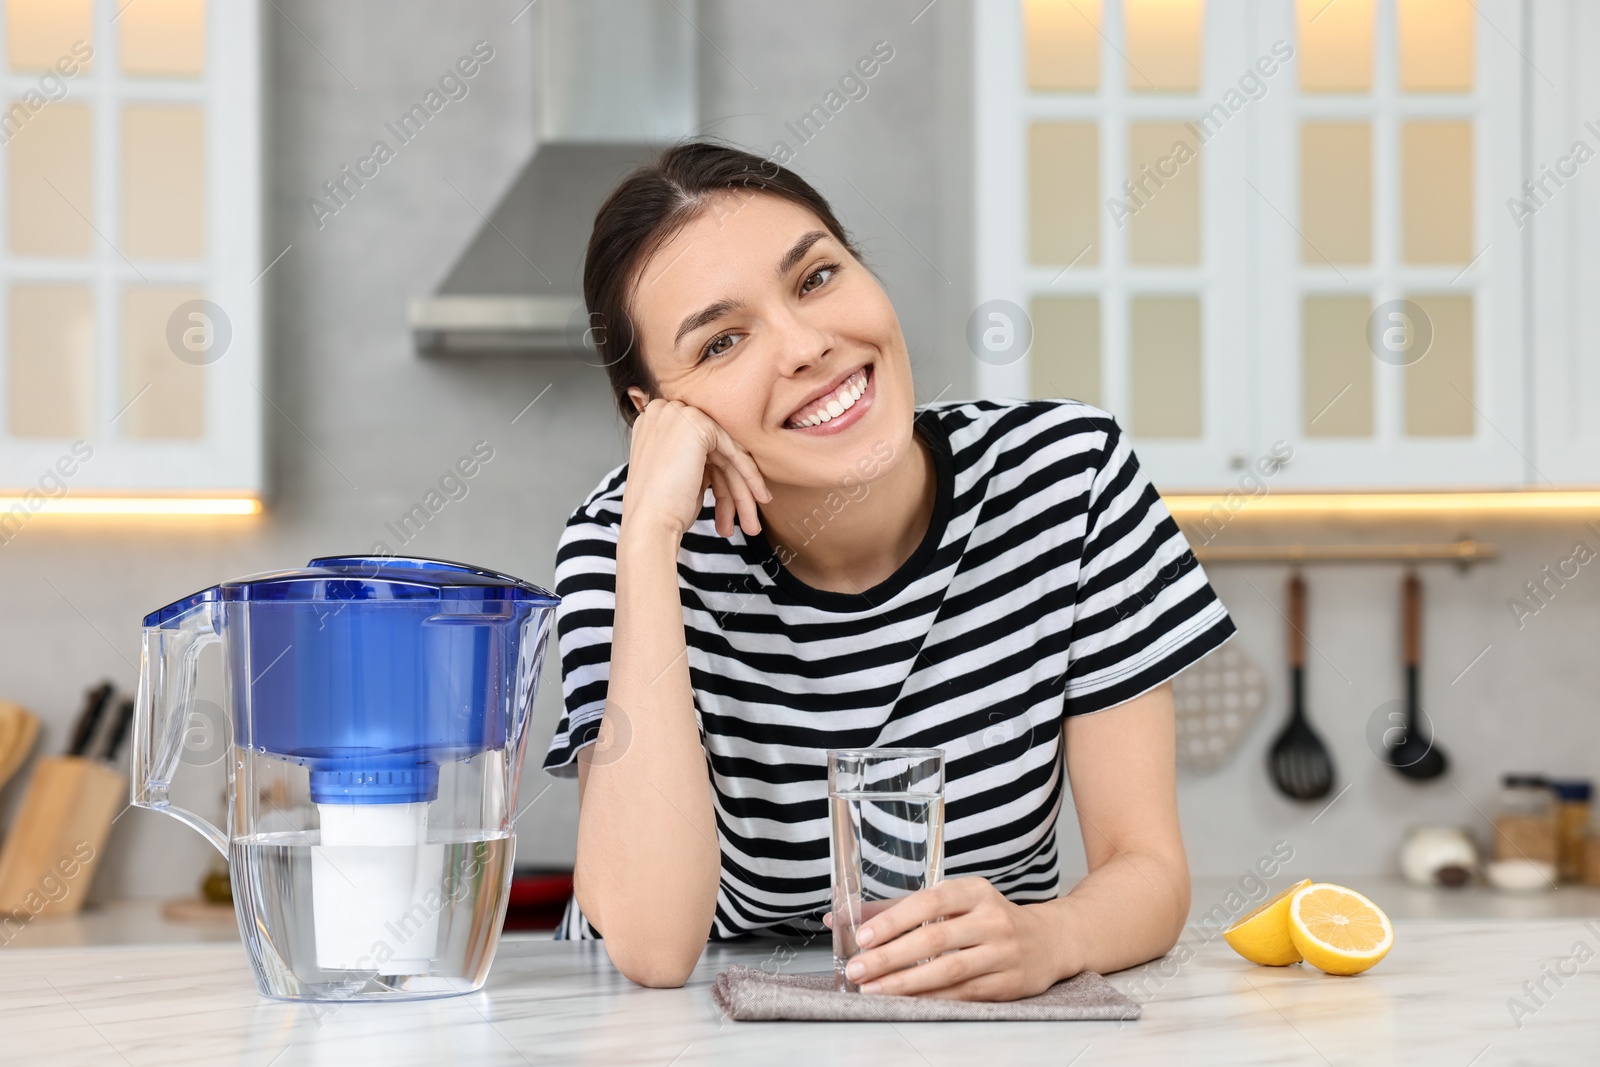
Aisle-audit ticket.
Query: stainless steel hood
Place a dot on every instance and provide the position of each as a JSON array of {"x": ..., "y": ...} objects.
[{"x": 618, "y": 84}]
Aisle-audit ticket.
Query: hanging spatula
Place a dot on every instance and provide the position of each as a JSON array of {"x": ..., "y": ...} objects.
[{"x": 1299, "y": 761}]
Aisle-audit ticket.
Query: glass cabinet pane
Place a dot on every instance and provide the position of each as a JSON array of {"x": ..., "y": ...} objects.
[
  {"x": 50, "y": 352},
  {"x": 1336, "y": 192},
  {"x": 1335, "y": 50},
  {"x": 1436, "y": 45},
  {"x": 1065, "y": 358},
  {"x": 1439, "y": 386},
  {"x": 1165, "y": 366},
  {"x": 1164, "y": 38},
  {"x": 51, "y": 185},
  {"x": 163, "y": 396},
  {"x": 1163, "y": 211},
  {"x": 164, "y": 37},
  {"x": 1335, "y": 367},
  {"x": 1063, "y": 193},
  {"x": 1436, "y": 192},
  {"x": 41, "y": 32},
  {"x": 163, "y": 181},
  {"x": 1062, "y": 41}
]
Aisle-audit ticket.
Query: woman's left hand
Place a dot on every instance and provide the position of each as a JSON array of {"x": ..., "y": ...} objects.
[{"x": 1001, "y": 950}]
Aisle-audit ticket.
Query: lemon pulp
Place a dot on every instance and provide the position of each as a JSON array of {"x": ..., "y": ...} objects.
[{"x": 1338, "y": 930}]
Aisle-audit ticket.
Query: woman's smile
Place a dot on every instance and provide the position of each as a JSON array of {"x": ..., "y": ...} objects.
[{"x": 838, "y": 407}]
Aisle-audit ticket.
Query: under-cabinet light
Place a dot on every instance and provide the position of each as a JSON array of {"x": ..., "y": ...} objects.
[
  {"x": 129, "y": 505},
  {"x": 1507, "y": 501}
]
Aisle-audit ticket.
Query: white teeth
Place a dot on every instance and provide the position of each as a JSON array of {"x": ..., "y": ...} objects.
[{"x": 841, "y": 401}]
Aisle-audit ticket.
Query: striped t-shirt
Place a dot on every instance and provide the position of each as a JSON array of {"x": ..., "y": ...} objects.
[{"x": 1052, "y": 581}]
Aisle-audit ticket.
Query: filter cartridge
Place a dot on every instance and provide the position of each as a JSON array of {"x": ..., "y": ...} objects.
[{"x": 375, "y": 888}]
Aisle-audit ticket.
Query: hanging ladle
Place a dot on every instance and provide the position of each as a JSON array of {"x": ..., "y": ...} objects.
[{"x": 1414, "y": 754}]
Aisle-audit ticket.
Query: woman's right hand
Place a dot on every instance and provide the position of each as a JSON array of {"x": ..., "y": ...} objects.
[{"x": 677, "y": 451}]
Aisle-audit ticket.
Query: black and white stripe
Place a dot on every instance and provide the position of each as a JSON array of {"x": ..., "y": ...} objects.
[{"x": 1052, "y": 582}]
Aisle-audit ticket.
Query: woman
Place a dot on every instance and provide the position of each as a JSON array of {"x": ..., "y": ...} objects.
[{"x": 998, "y": 580}]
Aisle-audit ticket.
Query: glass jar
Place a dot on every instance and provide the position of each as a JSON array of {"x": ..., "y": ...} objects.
[
  {"x": 1525, "y": 821},
  {"x": 1572, "y": 825},
  {"x": 1591, "y": 853}
]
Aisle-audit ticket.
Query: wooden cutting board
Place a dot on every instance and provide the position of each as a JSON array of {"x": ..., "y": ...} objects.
[{"x": 19, "y": 728}]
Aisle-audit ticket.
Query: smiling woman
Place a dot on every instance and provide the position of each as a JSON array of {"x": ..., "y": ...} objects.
[{"x": 797, "y": 557}]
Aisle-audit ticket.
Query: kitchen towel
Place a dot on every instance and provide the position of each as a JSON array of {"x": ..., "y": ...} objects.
[{"x": 749, "y": 994}]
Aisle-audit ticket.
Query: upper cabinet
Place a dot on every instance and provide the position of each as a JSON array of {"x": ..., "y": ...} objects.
[
  {"x": 130, "y": 249},
  {"x": 1256, "y": 228}
]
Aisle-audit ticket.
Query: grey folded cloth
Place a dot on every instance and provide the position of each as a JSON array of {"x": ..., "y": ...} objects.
[{"x": 750, "y": 994}]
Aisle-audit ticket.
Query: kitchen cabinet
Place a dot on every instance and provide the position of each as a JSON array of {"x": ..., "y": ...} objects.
[
  {"x": 1252, "y": 228},
  {"x": 130, "y": 251}
]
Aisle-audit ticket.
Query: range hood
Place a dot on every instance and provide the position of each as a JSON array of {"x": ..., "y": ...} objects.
[{"x": 618, "y": 85}]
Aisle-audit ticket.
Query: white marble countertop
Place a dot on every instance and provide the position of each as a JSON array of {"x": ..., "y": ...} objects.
[
  {"x": 1441, "y": 996},
  {"x": 140, "y": 922}
]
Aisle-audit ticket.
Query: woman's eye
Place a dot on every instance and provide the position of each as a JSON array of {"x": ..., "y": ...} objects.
[
  {"x": 718, "y": 345},
  {"x": 817, "y": 277}
]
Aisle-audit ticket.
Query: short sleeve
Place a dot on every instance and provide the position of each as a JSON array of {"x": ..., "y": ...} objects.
[
  {"x": 586, "y": 582},
  {"x": 1145, "y": 609}
]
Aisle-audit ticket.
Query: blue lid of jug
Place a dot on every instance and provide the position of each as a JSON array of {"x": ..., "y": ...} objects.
[
  {"x": 390, "y": 667},
  {"x": 438, "y": 573},
  {"x": 346, "y": 578}
]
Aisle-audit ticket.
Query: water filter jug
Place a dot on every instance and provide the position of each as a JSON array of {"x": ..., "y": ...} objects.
[{"x": 375, "y": 711}]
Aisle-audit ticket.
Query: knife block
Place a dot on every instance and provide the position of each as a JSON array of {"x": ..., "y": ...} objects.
[{"x": 54, "y": 845}]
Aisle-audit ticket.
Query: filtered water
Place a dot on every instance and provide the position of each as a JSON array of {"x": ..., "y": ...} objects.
[
  {"x": 885, "y": 846},
  {"x": 447, "y": 899}
]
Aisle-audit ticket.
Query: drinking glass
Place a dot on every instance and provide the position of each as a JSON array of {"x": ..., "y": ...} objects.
[{"x": 886, "y": 811}]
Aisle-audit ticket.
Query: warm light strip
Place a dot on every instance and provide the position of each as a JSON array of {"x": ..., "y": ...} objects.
[
  {"x": 1197, "y": 505},
  {"x": 135, "y": 505}
]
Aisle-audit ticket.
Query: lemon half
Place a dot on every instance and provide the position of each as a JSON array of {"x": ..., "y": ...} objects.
[
  {"x": 1337, "y": 929},
  {"x": 1262, "y": 936}
]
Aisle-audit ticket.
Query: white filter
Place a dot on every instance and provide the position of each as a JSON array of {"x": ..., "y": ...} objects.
[{"x": 376, "y": 888}]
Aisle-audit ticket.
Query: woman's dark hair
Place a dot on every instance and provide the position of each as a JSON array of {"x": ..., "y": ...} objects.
[{"x": 642, "y": 214}]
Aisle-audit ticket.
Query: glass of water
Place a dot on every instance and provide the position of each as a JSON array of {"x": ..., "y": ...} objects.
[{"x": 886, "y": 810}]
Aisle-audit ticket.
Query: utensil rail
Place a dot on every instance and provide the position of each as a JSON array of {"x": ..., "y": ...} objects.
[{"x": 1463, "y": 552}]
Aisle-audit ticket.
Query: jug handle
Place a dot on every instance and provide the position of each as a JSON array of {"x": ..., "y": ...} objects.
[{"x": 168, "y": 662}]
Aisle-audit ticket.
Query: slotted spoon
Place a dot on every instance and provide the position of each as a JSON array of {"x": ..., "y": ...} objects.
[{"x": 1299, "y": 761}]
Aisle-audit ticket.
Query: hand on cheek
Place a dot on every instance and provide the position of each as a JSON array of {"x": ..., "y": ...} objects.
[{"x": 972, "y": 944}]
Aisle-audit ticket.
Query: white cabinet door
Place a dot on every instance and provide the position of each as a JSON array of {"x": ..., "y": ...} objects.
[
  {"x": 1390, "y": 273},
  {"x": 1107, "y": 223}
]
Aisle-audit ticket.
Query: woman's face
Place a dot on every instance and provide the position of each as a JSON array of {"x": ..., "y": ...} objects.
[{"x": 751, "y": 312}]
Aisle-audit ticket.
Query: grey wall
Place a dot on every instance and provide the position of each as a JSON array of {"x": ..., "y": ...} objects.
[
  {"x": 1527, "y": 704},
  {"x": 359, "y": 427}
]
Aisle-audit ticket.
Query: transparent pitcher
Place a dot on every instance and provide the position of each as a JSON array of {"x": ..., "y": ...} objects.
[{"x": 375, "y": 715}]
